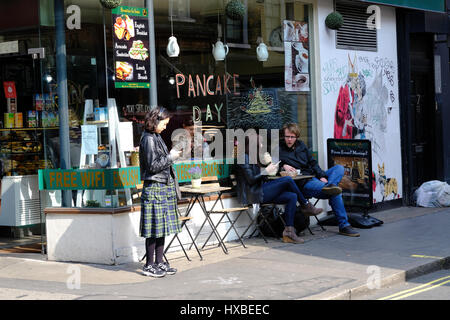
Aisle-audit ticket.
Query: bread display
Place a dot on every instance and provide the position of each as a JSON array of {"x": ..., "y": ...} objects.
[{"x": 21, "y": 153}]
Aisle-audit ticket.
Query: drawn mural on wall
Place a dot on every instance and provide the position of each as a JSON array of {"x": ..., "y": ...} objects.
[{"x": 365, "y": 94}]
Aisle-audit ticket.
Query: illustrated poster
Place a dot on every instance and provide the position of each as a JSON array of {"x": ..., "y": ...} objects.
[
  {"x": 356, "y": 158},
  {"x": 131, "y": 50},
  {"x": 296, "y": 55}
]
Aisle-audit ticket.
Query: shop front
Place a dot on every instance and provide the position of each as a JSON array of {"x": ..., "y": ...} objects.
[{"x": 219, "y": 65}]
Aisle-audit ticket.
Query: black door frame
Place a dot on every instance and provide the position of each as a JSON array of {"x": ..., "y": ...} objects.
[{"x": 410, "y": 21}]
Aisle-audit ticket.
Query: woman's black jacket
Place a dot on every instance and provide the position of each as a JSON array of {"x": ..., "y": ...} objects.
[
  {"x": 155, "y": 161},
  {"x": 249, "y": 183}
]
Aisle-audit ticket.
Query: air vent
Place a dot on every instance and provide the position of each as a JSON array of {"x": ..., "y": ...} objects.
[{"x": 354, "y": 34}]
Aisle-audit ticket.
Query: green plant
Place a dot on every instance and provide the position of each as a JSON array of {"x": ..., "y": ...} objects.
[
  {"x": 235, "y": 9},
  {"x": 196, "y": 172},
  {"x": 110, "y": 4},
  {"x": 334, "y": 20}
]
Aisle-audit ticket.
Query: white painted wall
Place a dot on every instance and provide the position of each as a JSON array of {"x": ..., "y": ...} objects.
[
  {"x": 114, "y": 239},
  {"x": 381, "y": 101}
]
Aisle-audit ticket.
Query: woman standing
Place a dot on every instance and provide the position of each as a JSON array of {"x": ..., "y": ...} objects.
[
  {"x": 253, "y": 187},
  {"x": 159, "y": 217}
]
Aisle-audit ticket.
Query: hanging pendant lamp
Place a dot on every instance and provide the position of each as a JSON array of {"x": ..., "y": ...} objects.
[{"x": 173, "y": 49}]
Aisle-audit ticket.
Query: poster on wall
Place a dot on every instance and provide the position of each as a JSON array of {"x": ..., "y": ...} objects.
[
  {"x": 130, "y": 47},
  {"x": 361, "y": 93},
  {"x": 10, "y": 89},
  {"x": 356, "y": 158},
  {"x": 296, "y": 55},
  {"x": 257, "y": 107}
]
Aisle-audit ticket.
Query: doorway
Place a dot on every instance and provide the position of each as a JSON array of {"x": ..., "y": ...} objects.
[
  {"x": 21, "y": 225},
  {"x": 422, "y": 111}
]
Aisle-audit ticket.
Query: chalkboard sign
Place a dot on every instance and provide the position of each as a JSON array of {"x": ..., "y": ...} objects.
[{"x": 356, "y": 158}]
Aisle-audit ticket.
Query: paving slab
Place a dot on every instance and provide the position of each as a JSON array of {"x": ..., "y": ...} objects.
[{"x": 412, "y": 241}]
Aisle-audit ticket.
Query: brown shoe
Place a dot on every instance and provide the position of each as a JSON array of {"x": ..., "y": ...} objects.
[
  {"x": 309, "y": 210},
  {"x": 289, "y": 236},
  {"x": 331, "y": 190}
]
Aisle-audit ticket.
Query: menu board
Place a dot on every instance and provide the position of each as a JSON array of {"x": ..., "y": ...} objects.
[
  {"x": 356, "y": 158},
  {"x": 131, "y": 51}
]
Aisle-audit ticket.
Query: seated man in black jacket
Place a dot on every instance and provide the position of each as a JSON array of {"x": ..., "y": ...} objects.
[{"x": 294, "y": 155}]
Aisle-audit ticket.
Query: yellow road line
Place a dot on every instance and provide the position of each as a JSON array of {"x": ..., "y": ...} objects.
[
  {"x": 423, "y": 290},
  {"x": 413, "y": 289},
  {"x": 422, "y": 256}
]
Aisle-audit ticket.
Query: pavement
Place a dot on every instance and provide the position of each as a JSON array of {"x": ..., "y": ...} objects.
[{"x": 328, "y": 266}]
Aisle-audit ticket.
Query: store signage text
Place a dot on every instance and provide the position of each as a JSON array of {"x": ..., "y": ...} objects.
[
  {"x": 89, "y": 179},
  {"x": 207, "y": 85},
  {"x": 209, "y": 169},
  {"x": 131, "y": 47}
]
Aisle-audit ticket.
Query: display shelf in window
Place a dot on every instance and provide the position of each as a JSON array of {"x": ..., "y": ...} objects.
[{"x": 22, "y": 152}]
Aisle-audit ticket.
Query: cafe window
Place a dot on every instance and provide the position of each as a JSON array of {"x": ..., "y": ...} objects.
[
  {"x": 242, "y": 90},
  {"x": 239, "y": 91}
]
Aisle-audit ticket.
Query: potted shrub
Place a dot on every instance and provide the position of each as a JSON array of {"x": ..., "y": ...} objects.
[
  {"x": 196, "y": 176},
  {"x": 235, "y": 9},
  {"x": 334, "y": 20},
  {"x": 110, "y": 4}
]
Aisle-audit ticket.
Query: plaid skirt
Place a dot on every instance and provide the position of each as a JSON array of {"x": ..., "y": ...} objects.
[{"x": 159, "y": 217}]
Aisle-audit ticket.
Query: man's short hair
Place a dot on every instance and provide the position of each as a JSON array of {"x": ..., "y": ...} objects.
[{"x": 292, "y": 127}]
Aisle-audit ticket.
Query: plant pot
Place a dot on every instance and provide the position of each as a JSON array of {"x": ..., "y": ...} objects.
[
  {"x": 110, "y": 4},
  {"x": 235, "y": 9},
  {"x": 196, "y": 183},
  {"x": 334, "y": 20}
]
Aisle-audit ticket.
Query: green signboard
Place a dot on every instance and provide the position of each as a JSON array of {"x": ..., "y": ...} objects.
[
  {"x": 210, "y": 168},
  {"x": 121, "y": 178},
  {"x": 427, "y": 5},
  {"x": 89, "y": 179}
]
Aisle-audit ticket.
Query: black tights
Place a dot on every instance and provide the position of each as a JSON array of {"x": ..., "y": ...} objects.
[{"x": 152, "y": 246}]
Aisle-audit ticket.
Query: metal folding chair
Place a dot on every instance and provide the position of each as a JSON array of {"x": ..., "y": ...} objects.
[
  {"x": 184, "y": 219},
  {"x": 318, "y": 221},
  {"x": 225, "y": 212}
]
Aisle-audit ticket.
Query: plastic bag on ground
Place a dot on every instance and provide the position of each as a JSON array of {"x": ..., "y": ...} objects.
[{"x": 432, "y": 194}]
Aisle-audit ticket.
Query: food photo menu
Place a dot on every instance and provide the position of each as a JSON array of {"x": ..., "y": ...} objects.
[{"x": 130, "y": 51}]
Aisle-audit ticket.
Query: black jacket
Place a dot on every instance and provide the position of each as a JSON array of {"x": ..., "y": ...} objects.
[
  {"x": 155, "y": 161},
  {"x": 249, "y": 183},
  {"x": 300, "y": 157}
]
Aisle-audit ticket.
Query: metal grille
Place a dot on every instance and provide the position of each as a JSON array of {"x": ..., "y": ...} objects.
[
  {"x": 29, "y": 212},
  {"x": 354, "y": 34}
]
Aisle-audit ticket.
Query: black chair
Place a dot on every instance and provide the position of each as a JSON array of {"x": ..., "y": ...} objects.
[
  {"x": 228, "y": 213},
  {"x": 317, "y": 219}
]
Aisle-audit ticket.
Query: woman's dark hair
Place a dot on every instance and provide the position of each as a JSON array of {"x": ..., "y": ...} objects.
[
  {"x": 253, "y": 141},
  {"x": 154, "y": 116}
]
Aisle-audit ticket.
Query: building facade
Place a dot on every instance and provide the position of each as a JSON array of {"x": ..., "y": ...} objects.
[{"x": 241, "y": 64}]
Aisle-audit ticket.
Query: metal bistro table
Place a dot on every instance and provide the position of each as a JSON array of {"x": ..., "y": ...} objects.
[{"x": 197, "y": 195}]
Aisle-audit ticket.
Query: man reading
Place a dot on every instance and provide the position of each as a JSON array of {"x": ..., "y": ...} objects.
[{"x": 294, "y": 155}]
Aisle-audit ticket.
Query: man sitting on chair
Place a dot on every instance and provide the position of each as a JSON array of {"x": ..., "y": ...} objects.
[{"x": 294, "y": 154}]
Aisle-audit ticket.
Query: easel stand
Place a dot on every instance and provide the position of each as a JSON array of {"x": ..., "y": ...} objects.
[{"x": 115, "y": 146}]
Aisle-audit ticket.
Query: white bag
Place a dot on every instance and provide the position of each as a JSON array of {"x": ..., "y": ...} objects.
[
  {"x": 433, "y": 194},
  {"x": 443, "y": 196}
]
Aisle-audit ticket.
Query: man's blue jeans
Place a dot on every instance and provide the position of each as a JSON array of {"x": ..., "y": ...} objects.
[
  {"x": 284, "y": 191},
  {"x": 313, "y": 189}
]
